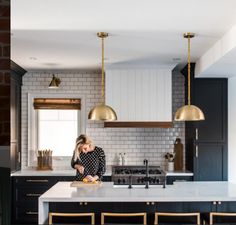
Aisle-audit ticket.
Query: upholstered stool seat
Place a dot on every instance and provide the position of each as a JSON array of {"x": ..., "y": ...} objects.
[
  {"x": 176, "y": 218},
  {"x": 61, "y": 217},
  {"x": 140, "y": 218},
  {"x": 222, "y": 217}
]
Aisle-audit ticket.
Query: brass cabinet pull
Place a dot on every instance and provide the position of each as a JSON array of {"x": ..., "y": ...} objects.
[
  {"x": 196, "y": 136},
  {"x": 196, "y": 153},
  {"x": 37, "y": 181},
  {"x": 33, "y": 195},
  {"x": 31, "y": 213}
]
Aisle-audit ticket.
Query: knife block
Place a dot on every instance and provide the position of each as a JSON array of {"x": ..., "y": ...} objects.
[{"x": 44, "y": 163}]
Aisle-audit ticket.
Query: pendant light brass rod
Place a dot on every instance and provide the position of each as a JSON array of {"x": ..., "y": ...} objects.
[
  {"x": 103, "y": 94},
  {"x": 189, "y": 69}
]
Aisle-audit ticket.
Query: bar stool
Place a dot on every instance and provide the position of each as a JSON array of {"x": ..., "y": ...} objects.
[
  {"x": 229, "y": 216},
  {"x": 53, "y": 214},
  {"x": 105, "y": 214},
  {"x": 177, "y": 215}
]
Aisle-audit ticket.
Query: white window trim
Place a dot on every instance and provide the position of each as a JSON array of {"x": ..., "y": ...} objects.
[{"x": 33, "y": 120}]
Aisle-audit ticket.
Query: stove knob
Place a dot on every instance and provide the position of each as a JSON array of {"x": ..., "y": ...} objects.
[
  {"x": 138, "y": 180},
  {"x": 123, "y": 181},
  {"x": 119, "y": 181}
]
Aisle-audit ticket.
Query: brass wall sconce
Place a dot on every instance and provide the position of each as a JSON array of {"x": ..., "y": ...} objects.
[{"x": 55, "y": 82}]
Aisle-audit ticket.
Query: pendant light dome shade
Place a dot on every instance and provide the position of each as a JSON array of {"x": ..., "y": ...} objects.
[
  {"x": 102, "y": 112},
  {"x": 189, "y": 112}
]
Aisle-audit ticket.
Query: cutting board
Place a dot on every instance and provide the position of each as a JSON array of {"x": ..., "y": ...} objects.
[{"x": 82, "y": 184}]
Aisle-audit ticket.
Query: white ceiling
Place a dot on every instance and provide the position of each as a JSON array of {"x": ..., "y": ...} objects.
[{"x": 61, "y": 34}]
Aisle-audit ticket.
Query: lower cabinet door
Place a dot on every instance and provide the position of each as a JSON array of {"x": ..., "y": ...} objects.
[
  {"x": 226, "y": 207},
  {"x": 209, "y": 162}
]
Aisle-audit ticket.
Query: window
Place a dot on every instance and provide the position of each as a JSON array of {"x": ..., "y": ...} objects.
[
  {"x": 54, "y": 122},
  {"x": 57, "y": 130}
]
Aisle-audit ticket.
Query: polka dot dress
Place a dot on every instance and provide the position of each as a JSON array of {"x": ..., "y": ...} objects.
[{"x": 94, "y": 163}]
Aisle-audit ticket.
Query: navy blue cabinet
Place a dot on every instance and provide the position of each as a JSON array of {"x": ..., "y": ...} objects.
[
  {"x": 206, "y": 141},
  {"x": 25, "y": 193},
  {"x": 172, "y": 179}
]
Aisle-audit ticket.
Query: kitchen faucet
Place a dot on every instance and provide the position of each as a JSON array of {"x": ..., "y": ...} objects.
[
  {"x": 130, "y": 181},
  {"x": 146, "y": 179}
]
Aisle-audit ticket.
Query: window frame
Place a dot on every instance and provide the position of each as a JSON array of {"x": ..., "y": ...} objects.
[{"x": 33, "y": 121}]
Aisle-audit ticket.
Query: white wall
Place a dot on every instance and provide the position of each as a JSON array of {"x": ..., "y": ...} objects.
[{"x": 232, "y": 129}]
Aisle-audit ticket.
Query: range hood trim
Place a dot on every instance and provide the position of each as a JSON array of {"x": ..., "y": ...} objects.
[{"x": 143, "y": 124}]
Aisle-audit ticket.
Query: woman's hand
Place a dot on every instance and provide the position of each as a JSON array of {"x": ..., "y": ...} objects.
[
  {"x": 91, "y": 178},
  {"x": 79, "y": 168}
]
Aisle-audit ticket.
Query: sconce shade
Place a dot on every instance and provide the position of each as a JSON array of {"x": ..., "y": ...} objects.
[
  {"x": 189, "y": 113},
  {"x": 54, "y": 82},
  {"x": 102, "y": 112}
]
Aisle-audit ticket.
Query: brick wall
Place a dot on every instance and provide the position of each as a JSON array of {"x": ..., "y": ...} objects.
[
  {"x": 137, "y": 143},
  {"x": 4, "y": 73},
  {"x": 5, "y": 111}
]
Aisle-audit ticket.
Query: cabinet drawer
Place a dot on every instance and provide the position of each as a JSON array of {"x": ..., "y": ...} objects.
[
  {"x": 27, "y": 213},
  {"x": 33, "y": 181},
  {"x": 29, "y": 193}
]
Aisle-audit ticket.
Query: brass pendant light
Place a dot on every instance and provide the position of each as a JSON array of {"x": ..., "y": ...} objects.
[
  {"x": 102, "y": 112},
  {"x": 189, "y": 112}
]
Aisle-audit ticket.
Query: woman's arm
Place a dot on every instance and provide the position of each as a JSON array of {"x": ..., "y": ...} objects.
[
  {"x": 75, "y": 164},
  {"x": 102, "y": 164}
]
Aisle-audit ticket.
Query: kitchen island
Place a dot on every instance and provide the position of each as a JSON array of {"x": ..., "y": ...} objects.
[{"x": 187, "y": 196}]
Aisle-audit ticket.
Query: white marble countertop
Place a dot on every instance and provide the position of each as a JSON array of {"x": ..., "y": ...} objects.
[
  {"x": 66, "y": 172},
  {"x": 179, "y": 192},
  {"x": 71, "y": 172},
  {"x": 179, "y": 173}
]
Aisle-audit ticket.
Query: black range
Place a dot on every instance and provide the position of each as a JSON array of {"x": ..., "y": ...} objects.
[{"x": 121, "y": 175}]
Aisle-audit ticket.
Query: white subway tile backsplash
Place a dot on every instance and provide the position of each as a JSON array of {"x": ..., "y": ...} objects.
[{"x": 137, "y": 143}]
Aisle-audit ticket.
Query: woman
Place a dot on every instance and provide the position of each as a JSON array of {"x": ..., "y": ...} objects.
[{"x": 88, "y": 160}]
